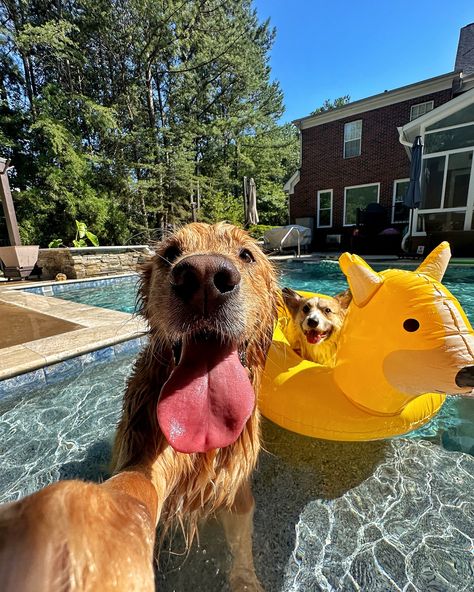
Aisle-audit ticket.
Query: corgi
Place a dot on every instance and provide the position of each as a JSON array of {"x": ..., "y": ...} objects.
[{"x": 315, "y": 324}]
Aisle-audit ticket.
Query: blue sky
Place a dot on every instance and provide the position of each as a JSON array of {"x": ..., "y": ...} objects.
[{"x": 324, "y": 50}]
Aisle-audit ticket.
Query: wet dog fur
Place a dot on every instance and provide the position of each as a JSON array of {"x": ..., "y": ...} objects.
[
  {"x": 85, "y": 536},
  {"x": 315, "y": 324}
]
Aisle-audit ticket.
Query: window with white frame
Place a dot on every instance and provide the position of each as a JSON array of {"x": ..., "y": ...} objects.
[
  {"x": 420, "y": 109},
  {"x": 447, "y": 192},
  {"x": 400, "y": 211},
  {"x": 324, "y": 214},
  {"x": 359, "y": 196},
  {"x": 352, "y": 138}
]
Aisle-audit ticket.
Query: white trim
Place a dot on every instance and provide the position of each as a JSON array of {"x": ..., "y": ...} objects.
[
  {"x": 289, "y": 186},
  {"x": 393, "y": 200},
  {"x": 355, "y": 187},
  {"x": 318, "y": 209},
  {"x": 467, "y": 209},
  {"x": 398, "y": 95},
  {"x": 445, "y": 152}
]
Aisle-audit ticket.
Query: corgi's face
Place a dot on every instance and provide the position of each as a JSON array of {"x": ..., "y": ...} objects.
[{"x": 319, "y": 318}]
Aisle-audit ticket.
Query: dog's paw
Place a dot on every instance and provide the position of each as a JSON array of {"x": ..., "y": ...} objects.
[{"x": 245, "y": 582}]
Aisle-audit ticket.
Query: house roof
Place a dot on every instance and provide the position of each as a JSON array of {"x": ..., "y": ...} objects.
[
  {"x": 414, "y": 128},
  {"x": 389, "y": 97}
]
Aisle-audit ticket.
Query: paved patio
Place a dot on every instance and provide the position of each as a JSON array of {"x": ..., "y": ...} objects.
[{"x": 37, "y": 331}]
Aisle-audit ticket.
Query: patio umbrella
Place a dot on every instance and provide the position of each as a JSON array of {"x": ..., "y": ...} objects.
[
  {"x": 412, "y": 198},
  {"x": 250, "y": 201}
]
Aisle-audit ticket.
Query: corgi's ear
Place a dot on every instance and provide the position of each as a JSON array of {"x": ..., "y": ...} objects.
[
  {"x": 363, "y": 280},
  {"x": 436, "y": 262},
  {"x": 291, "y": 298},
  {"x": 344, "y": 299}
]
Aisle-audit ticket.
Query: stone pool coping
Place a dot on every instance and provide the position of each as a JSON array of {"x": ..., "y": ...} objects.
[
  {"x": 54, "y": 373},
  {"x": 99, "y": 328}
]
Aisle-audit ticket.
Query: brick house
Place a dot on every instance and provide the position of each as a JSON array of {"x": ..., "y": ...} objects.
[{"x": 359, "y": 154}]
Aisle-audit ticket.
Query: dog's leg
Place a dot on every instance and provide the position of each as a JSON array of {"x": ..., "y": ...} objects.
[
  {"x": 238, "y": 528},
  {"x": 81, "y": 537}
]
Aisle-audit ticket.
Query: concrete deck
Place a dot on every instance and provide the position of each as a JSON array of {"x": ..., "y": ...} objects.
[{"x": 37, "y": 331}]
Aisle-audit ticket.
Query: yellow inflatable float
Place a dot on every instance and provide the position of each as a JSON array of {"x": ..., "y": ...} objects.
[{"x": 405, "y": 342}]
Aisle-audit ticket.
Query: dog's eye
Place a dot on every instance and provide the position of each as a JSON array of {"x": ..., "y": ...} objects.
[
  {"x": 411, "y": 325},
  {"x": 306, "y": 309},
  {"x": 171, "y": 253},
  {"x": 246, "y": 256},
  {"x": 327, "y": 310}
]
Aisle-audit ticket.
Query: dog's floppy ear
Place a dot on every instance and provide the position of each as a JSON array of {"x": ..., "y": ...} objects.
[
  {"x": 291, "y": 298},
  {"x": 344, "y": 299}
]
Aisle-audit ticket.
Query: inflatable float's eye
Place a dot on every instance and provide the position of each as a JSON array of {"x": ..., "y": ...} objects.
[
  {"x": 411, "y": 325},
  {"x": 306, "y": 308}
]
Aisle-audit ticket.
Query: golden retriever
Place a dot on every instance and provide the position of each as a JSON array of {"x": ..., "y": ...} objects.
[
  {"x": 188, "y": 438},
  {"x": 316, "y": 323}
]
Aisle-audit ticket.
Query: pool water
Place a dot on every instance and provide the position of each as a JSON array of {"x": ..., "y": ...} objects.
[
  {"x": 381, "y": 516},
  {"x": 120, "y": 295},
  {"x": 453, "y": 427},
  {"x": 373, "y": 516}
]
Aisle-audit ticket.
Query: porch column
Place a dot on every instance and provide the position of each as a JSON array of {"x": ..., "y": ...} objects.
[{"x": 7, "y": 203}]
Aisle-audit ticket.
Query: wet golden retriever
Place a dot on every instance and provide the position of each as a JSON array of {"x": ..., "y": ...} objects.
[{"x": 188, "y": 438}]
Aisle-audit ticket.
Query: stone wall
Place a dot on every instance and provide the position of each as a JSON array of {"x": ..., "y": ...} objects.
[{"x": 91, "y": 261}]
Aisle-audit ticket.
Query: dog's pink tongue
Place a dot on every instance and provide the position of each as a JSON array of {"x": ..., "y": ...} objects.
[
  {"x": 314, "y": 337},
  {"x": 207, "y": 400}
]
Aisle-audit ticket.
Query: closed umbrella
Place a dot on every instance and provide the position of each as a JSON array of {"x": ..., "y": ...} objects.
[
  {"x": 413, "y": 195},
  {"x": 250, "y": 201},
  {"x": 252, "y": 209}
]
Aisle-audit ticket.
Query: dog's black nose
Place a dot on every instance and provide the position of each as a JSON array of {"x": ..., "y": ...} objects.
[
  {"x": 313, "y": 323},
  {"x": 205, "y": 281},
  {"x": 465, "y": 377}
]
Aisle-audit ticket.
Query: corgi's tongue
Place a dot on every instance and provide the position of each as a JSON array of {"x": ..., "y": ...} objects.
[
  {"x": 315, "y": 337},
  {"x": 208, "y": 398}
]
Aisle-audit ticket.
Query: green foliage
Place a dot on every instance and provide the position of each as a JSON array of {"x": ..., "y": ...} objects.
[
  {"x": 118, "y": 113},
  {"x": 82, "y": 233},
  {"x": 217, "y": 206},
  {"x": 258, "y": 230},
  {"x": 329, "y": 104},
  {"x": 56, "y": 243}
]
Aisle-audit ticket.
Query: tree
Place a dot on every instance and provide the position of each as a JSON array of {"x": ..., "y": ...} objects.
[
  {"x": 329, "y": 105},
  {"x": 117, "y": 112}
]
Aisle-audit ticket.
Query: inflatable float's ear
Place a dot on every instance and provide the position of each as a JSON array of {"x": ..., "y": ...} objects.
[
  {"x": 363, "y": 280},
  {"x": 436, "y": 262}
]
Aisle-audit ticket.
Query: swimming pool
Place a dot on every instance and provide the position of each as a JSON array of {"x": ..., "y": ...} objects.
[
  {"x": 452, "y": 428},
  {"x": 374, "y": 516}
]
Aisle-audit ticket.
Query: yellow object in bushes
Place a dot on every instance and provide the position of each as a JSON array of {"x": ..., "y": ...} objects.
[{"x": 405, "y": 342}]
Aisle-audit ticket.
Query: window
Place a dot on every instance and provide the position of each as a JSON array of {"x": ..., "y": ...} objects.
[
  {"x": 352, "y": 138},
  {"x": 358, "y": 197},
  {"x": 420, "y": 109},
  {"x": 445, "y": 181},
  {"x": 325, "y": 208},
  {"x": 450, "y": 139},
  {"x": 465, "y": 115},
  {"x": 400, "y": 212},
  {"x": 445, "y": 188}
]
